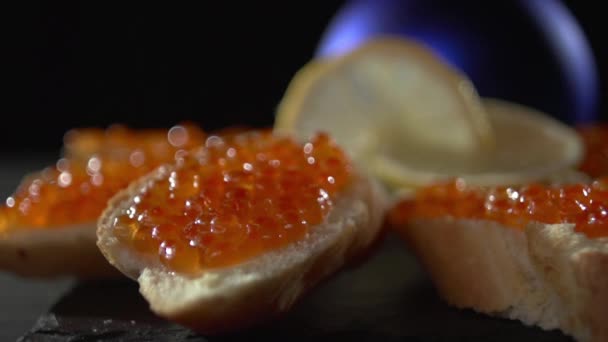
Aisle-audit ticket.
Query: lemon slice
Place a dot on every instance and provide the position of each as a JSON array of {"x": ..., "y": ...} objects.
[
  {"x": 390, "y": 96},
  {"x": 529, "y": 146},
  {"x": 411, "y": 120}
]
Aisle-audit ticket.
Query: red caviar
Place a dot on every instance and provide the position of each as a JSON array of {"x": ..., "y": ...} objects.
[
  {"x": 581, "y": 204},
  {"x": 234, "y": 198},
  {"x": 595, "y": 139},
  {"x": 97, "y": 164}
]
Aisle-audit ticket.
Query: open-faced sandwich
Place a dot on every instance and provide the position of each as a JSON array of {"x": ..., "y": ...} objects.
[
  {"x": 236, "y": 231},
  {"x": 536, "y": 253},
  {"x": 521, "y": 233},
  {"x": 47, "y": 227}
]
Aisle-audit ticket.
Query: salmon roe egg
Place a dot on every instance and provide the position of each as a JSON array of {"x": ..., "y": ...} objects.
[
  {"x": 96, "y": 165},
  {"x": 585, "y": 205},
  {"x": 236, "y": 197},
  {"x": 595, "y": 139}
]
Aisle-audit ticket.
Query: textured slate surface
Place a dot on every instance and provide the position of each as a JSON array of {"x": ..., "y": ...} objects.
[{"x": 387, "y": 297}]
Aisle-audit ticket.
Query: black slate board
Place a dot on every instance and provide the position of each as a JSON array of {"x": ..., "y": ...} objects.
[{"x": 385, "y": 298}]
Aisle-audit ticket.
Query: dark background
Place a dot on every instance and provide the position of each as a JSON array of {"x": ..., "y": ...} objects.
[{"x": 223, "y": 63}]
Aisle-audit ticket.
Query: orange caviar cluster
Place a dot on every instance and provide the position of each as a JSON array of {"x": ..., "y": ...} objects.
[
  {"x": 97, "y": 164},
  {"x": 234, "y": 198},
  {"x": 595, "y": 139},
  {"x": 582, "y": 204}
]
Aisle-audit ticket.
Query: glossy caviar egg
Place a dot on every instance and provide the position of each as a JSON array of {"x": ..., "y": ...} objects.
[
  {"x": 96, "y": 165},
  {"x": 585, "y": 205},
  {"x": 236, "y": 197}
]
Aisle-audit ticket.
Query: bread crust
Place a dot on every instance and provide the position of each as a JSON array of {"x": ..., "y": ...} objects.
[
  {"x": 237, "y": 297},
  {"x": 54, "y": 252},
  {"x": 546, "y": 275},
  {"x": 576, "y": 269}
]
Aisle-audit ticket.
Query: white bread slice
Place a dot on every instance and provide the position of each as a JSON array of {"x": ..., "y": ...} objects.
[
  {"x": 546, "y": 275},
  {"x": 53, "y": 252},
  {"x": 236, "y": 297}
]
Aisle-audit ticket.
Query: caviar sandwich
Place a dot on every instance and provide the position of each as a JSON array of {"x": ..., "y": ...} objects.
[
  {"x": 489, "y": 196},
  {"x": 47, "y": 226},
  {"x": 239, "y": 229}
]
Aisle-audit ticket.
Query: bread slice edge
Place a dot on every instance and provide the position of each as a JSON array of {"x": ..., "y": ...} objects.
[
  {"x": 54, "y": 252},
  {"x": 506, "y": 272}
]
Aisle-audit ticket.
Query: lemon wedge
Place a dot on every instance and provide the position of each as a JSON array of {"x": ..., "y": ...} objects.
[{"x": 410, "y": 119}]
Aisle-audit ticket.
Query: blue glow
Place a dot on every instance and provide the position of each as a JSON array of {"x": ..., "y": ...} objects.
[
  {"x": 360, "y": 20},
  {"x": 354, "y": 24},
  {"x": 573, "y": 52}
]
